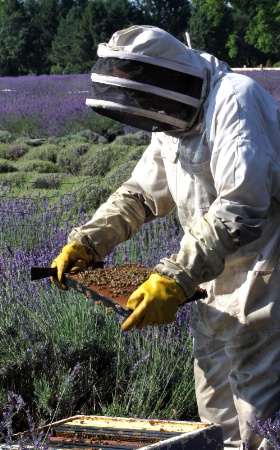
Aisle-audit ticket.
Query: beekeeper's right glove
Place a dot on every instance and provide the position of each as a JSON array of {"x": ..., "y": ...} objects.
[
  {"x": 74, "y": 257},
  {"x": 155, "y": 302}
]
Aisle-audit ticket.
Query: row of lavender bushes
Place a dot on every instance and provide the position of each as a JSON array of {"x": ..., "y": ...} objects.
[
  {"x": 46, "y": 334},
  {"x": 70, "y": 162},
  {"x": 54, "y": 105},
  {"x": 60, "y": 354}
]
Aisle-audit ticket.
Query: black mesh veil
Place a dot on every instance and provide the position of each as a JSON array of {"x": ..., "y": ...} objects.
[
  {"x": 149, "y": 74},
  {"x": 144, "y": 95}
]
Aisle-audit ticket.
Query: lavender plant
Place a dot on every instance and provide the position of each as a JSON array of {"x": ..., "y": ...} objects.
[
  {"x": 35, "y": 440},
  {"x": 268, "y": 430},
  {"x": 40, "y": 106},
  {"x": 33, "y": 437},
  {"x": 158, "y": 382},
  {"x": 45, "y": 330}
]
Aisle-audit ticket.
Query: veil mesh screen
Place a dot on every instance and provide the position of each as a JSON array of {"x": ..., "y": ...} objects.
[{"x": 148, "y": 74}]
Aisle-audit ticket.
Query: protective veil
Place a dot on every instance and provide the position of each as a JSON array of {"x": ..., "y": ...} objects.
[
  {"x": 223, "y": 175},
  {"x": 143, "y": 84}
]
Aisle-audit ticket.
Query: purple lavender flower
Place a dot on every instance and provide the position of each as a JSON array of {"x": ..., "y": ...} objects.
[
  {"x": 139, "y": 363},
  {"x": 44, "y": 105},
  {"x": 269, "y": 430}
]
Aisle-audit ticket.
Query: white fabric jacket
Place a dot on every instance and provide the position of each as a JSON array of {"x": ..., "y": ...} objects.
[{"x": 226, "y": 168}]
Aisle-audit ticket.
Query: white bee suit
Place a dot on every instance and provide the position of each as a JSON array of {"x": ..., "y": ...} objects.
[
  {"x": 231, "y": 171},
  {"x": 223, "y": 175}
]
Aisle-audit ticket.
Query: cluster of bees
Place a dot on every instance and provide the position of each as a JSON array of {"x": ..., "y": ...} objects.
[{"x": 117, "y": 281}]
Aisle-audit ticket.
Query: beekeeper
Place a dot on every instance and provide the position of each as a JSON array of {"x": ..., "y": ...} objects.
[{"x": 214, "y": 154}]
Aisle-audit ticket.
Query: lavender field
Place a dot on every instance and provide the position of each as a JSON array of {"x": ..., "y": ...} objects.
[
  {"x": 46, "y": 105},
  {"x": 54, "y": 105},
  {"x": 47, "y": 334},
  {"x": 61, "y": 355},
  {"x": 269, "y": 80}
]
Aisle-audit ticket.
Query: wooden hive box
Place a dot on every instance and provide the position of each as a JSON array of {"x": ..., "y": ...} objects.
[{"x": 115, "y": 433}]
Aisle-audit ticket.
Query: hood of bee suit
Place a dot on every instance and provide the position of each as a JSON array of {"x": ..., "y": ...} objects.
[{"x": 147, "y": 78}]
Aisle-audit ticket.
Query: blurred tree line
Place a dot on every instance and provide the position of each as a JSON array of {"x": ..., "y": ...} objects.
[{"x": 61, "y": 36}]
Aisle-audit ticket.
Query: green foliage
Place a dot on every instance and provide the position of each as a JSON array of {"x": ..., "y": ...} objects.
[
  {"x": 254, "y": 33},
  {"x": 47, "y": 182},
  {"x": 46, "y": 152},
  {"x": 63, "y": 332},
  {"x": 263, "y": 29},
  {"x": 37, "y": 165},
  {"x": 209, "y": 31},
  {"x": 87, "y": 26},
  {"x": 79, "y": 157},
  {"x": 117, "y": 375},
  {"x": 101, "y": 161},
  {"x": 106, "y": 129},
  {"x": 5, "y": 136},
  {"x": 171, "y": 15},
  {"x": 13, "y": 38},
  {"x": 4, "y": 151},
  {"x": 121, "y": 173},
  {"x": 213, "y": 9},
  {"x": 24, "y": 126},
  {"x": 16, "y": 179},
  {"x": 16, "y": 151},
  {"x": 41, "y": 22},
  {"x": 44, "y": 392},
  {"x": 138, "y": 138},
  {"x": 89, "y": 200},
  {"x": 98, "y": 163},
  {"x": 6, "y": 166},
  {"x": 67, "y": 55},
  {"x": 26, "y": 32},
  {"x": 233, "y": 47},
  {"x": 62, "y": 36},
  {"x": 69, "y": 158},
  {"x": 91, "y": 136}
]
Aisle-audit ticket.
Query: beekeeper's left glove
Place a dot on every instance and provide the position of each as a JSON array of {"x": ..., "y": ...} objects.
[
  {"x": 155, "y": 302},
  {"x": 74, "y": 257}
]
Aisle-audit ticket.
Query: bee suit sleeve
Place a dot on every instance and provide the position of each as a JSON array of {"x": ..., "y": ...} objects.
[
  {"x": 126, "y": 210},
  {"x": 115, "y": 221},
  {"x": 201, "y": 256}
]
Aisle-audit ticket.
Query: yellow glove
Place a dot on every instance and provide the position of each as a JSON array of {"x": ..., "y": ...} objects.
[
  {"x": 155, "y": 302},
  {"x": 75, "y": 257}
]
